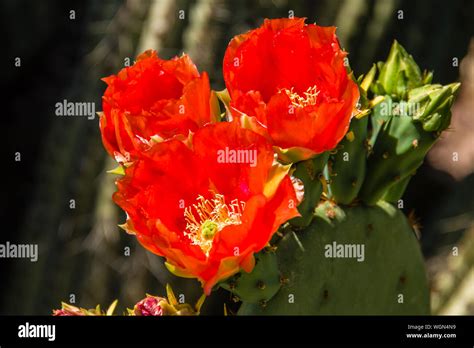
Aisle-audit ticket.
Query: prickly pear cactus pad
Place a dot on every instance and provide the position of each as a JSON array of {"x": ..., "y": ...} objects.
[
  {"x": 350, "y": 260},
  {"x": 261, "y": 284}
]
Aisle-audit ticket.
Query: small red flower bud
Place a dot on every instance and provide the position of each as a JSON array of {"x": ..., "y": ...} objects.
[
  {"x": 149, "y": 306},
  {"x": 66, "y": 313},
  {"x": 68, "y": 310}
]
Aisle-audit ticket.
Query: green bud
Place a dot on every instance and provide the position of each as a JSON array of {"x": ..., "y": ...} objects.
[
  {"x": 399, "y": 74},
  {"x": 404, "y": 125},
  {"x": 434, "y": 105}
]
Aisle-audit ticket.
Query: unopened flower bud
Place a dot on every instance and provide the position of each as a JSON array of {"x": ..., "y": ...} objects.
[{"x": 149, "y": 306}]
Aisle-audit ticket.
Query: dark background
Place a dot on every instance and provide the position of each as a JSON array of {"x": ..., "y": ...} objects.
[{"x": 62, "y": 158}]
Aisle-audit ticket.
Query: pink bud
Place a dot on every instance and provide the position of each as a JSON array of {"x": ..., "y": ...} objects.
[{"x": 149, "y": 306}]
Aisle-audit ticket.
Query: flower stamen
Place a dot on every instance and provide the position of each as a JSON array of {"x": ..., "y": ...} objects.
[
  {"x": 208, "y": 217},
  {"x": 310, "y": 97}
]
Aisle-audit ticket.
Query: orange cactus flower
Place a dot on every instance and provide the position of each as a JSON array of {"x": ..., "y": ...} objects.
[
  {"x": 290, "y": 79},
  {"x": 152, "y": 100},
  {"x": 209, "y": 204}
]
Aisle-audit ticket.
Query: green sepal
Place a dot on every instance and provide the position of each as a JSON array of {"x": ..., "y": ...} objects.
[
  {"x": 433, "y": 105},
  {"x": 119, "y": 170}
]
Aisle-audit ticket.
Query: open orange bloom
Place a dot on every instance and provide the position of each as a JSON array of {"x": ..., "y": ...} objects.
[
  {"x": 209, "y": 207},
  {"x": 154, "y": 99},
  {"x": 290, "y": 78}
]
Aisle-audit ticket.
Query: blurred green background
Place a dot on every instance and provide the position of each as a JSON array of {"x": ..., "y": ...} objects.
[{"x": 66, "y": 47}]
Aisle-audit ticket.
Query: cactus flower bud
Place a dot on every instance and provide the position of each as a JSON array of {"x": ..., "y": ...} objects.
[
  {"x": 435, "y": 105},
  {"x": 399, "y": 74},
  {"x": 403, "y": 131},
  {"x": 160, "y": 306},
  {"x": 68, "y": 310},
  {"x": 149, "y": 306}
]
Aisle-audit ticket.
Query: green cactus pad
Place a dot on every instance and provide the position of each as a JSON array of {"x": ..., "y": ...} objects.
[
  {"x": 399, "y": 150},
  {"x": 309, "y": 172},
  {"x": 260, "y": 285},
  {"x": 349, "y": 163},
  {"x": 395, "y": 192},
  {"x": 390, "y": 280}
]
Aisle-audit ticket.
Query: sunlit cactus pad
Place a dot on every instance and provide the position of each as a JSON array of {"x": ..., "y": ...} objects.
[{"x": 390, "y": 280}]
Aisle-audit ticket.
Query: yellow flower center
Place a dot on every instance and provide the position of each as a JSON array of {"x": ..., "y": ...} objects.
[
  {"x": 208, "y": 217},
  {"x": 309, "y": 98}
]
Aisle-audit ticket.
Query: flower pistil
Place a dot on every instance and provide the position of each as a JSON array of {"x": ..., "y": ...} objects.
[{"x": 208, "y": 217}]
